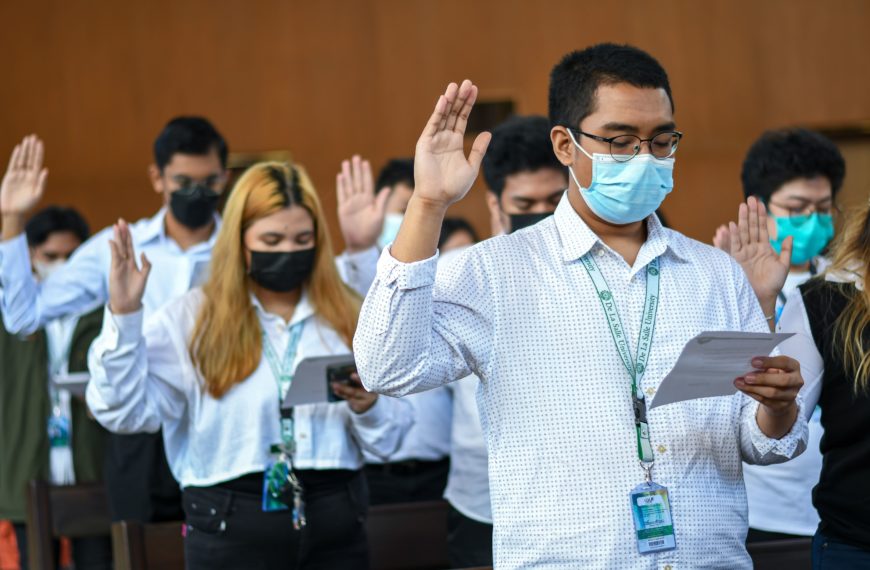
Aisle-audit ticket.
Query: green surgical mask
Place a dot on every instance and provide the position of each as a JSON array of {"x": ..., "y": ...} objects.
[{"x": 811, "y": 235}]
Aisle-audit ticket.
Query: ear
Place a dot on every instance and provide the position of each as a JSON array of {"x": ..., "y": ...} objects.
[
  {"x": 563, "y": 146},
  {"x": 156, "y": 179},
  {"x": 495, "y": 214}
]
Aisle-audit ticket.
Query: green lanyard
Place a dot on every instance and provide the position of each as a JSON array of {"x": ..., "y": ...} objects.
[
  {"x": 283, "y": 374},
  {"x": 636, "y": 368}
]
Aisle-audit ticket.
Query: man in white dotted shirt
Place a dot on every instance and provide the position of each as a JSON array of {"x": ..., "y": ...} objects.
[{"x": 581, "y": 474}]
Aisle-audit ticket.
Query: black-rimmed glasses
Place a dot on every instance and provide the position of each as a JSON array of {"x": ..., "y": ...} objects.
[{"x": 625, "y": 147}]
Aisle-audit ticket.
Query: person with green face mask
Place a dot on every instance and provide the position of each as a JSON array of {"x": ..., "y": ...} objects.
[{"x": 796, "y": 174}]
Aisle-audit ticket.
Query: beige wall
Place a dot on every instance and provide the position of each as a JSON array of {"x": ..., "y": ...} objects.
[{"x": 98, "y": 78}]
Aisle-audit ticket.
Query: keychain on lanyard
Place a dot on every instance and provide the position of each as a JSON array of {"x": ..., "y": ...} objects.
[
  {"x": 281, "y": 487},
  {"x": 649, "y": 501}
]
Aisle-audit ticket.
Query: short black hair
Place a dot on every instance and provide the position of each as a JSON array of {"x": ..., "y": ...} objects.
[
  {"x": 575, "y": 80},
  {"x": 396, "y": 171},
  {"x": 55, "y": 219},
  {"x": 520, "y": 144},
  {"x": 188, "y": 135},
  {"x": 782, "y": 155},
  {"x": 452, "y": 225}
]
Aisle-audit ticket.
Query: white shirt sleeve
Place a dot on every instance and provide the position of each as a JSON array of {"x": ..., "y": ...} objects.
[
  {"x": 380, "y": 429},
  {"x": 358, "y": 269},
  {"x": 78, "y": 286},
  {"x": 415, "y": 334},
  {"x": 757, "y": 448},
  {"x": 136, "y": 379}
]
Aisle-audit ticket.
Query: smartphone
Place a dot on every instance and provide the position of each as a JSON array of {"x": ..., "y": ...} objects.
[{"x": 339, "y": 373}]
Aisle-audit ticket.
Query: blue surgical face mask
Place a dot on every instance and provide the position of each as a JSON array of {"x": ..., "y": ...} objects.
[
  {"x": 811, "y": 234},
  {"x": 392, "y": 223},
  {"x": 625, "y": 192}
]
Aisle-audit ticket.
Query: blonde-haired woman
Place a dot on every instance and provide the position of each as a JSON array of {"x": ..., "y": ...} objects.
[
  {"x": 830, "y": 317},
  {"x": 211, "y": 368}
]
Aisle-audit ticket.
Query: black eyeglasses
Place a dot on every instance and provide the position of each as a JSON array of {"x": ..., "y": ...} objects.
[{"x": 625, "y": 147}]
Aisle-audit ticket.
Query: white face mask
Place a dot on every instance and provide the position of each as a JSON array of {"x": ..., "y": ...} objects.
[
  {"x": 43, "y": 270},
  {"x": 392, "y": 223}
]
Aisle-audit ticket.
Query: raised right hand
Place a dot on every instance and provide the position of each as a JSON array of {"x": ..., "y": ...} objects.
[
  {"x": 442, "y": 173},
  {"x": 126, "y": 280},
  {"x": 24, "y": 181}
]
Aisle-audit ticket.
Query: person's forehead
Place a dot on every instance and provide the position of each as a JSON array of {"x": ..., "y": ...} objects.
[
  {"x": 534, "y": 185},
  {"x": 62, "y": 241},
  {"x": 194, "y": 164},
  {"x": 816, "y": 189},
  {"x": 294, "y": 218},
  {"x": 628, "y": 104}
]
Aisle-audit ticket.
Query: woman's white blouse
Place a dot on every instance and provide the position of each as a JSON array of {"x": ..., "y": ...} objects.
[{"x": 144, "y": 381}]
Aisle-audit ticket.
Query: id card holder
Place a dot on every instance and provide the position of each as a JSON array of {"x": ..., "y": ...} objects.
[
  {"x": 651, "y": 511},
  {"x": 58, "y": 431},
  {"x": 275, "y": 482}
]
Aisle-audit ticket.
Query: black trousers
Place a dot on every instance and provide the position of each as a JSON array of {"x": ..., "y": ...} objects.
[
  {"x": 138, "y": 480},
  {"x": 92, "y": 553},
  {"x": 226, "y": 527},
  {"x": 469, "y": 542},
  {"x": 407, "y": 481}
]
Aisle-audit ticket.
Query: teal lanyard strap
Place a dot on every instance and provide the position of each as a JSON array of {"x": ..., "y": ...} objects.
[
  {"x": 283, "y": 373},
  {"x": 636, "y": 368}
]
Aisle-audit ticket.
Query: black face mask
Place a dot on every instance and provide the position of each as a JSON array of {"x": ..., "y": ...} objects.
[
  {"x": 520, "y": 221},
  {"x": 281, "y": 271},
  {"x": 194, "y": 206}
]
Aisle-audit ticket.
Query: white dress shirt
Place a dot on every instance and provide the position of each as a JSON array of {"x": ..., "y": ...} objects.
[
  {"x": 521, "y": 313},
  {"x": 781, "y": 496},
  {"x": 142, "y": 381},
  {"x": 429, "y": 437}
]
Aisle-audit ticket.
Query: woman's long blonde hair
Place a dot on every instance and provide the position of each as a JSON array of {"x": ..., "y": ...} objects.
[
  {"x": 226, "y": 344},
  {"x": 851, "y": 254}
]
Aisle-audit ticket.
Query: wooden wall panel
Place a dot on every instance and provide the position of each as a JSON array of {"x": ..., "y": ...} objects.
[{"x": 97, "y": 80}]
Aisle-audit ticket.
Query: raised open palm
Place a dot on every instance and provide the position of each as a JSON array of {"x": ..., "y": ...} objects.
[
  {"x": 750, "y": 246},
  {"x": 126, "y": 279},
  {"x": 442, "y": 173},
  {"x": 360, "y": 211},
  {"x": 24, "y": 181}
]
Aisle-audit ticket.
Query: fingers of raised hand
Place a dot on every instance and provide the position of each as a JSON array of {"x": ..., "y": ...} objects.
[
  {"x": 461, "y": 107},
  {"x": 752, "y": 205},
  {"x": 435, "y": 119},
  {"x": 450, "y": 98},
  {"x": 743, "y": 224},
  {"x": 368, "y": 183},
  {"x": 357, "y": 174}
]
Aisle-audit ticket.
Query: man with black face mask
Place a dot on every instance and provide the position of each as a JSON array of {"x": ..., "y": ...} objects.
[
  {"x": 525, "y": 179},
  {"x": 189, "y": 174}
]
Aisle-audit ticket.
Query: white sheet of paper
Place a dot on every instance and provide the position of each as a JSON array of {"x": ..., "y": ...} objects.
[
  {"x": 711, "y": 362},
  {"x": 309, "y": 381}
]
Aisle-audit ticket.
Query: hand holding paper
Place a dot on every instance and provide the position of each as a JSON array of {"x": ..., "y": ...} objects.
[{"x": 710, "y": 363}]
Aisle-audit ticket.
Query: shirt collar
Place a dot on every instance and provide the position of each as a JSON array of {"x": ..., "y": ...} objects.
[
  {"x": 304, "y": 309},
  {"x": 154, "y": 229},
  {"x": 578, "y": 239}
]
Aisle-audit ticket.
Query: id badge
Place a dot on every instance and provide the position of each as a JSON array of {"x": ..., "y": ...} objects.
[
  {"x": 275, "y": 483},
  {"x": 651, "y": 510},
  {"x": 58, "y": 431}
]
